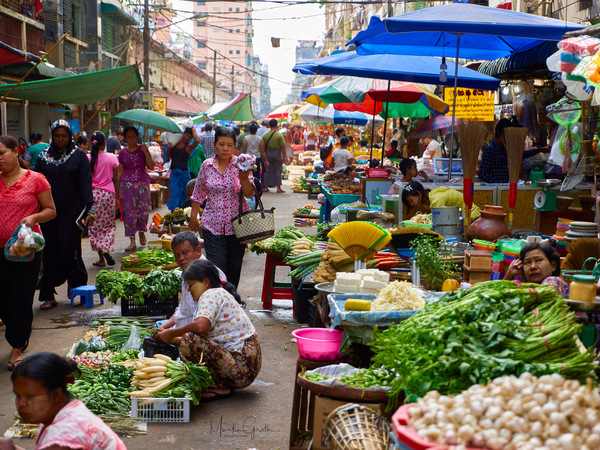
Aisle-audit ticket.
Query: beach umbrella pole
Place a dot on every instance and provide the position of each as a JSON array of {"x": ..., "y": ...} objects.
[
  {"x": 453, "y": 108},
  {"x": 387, "y": 105},
  {"x": 373, "y": 133}
]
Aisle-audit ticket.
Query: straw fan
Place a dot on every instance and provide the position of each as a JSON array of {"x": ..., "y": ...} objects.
[{"x": 360, "y": 240}]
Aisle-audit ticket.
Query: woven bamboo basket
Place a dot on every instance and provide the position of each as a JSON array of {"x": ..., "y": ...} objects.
[
  {"x": 355, "y": 427},
  {"x": 146, "y": 270}
]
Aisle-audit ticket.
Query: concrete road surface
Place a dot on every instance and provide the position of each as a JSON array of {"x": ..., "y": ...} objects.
[{"x": 255, "y": 417}]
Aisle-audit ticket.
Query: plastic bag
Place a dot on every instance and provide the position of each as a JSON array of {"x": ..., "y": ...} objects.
[
  {"x": 96, "y": 344},
  {"x": 29, "y": 239},
  {"x": 561, "y": 143},
  {"x": 82, "y": 346},
  {"x": 134, "y": 342},
  {"x": 171, "y": 138}
]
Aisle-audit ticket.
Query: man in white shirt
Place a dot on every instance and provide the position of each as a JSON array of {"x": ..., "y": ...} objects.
[
  {"x": 187, "y": 248},
  {"x": 342, "y": 157},
  {"x": 433, "y": 149},
  {"x": 264, "y": 127}
]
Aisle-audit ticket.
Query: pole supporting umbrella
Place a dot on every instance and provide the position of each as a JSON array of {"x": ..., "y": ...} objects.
[{"x": 453, "y": 108}]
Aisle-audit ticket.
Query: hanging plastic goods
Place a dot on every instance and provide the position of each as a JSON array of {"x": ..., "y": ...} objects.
[{"x": 565, "y": 112}]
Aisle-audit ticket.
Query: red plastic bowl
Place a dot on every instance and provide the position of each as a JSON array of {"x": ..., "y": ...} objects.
[
  {"x": 318, "y": 344},
  {"x": 407, "y": 435}
]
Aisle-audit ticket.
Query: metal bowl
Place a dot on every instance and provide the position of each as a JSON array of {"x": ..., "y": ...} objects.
[{"x": 548, "y": 182}]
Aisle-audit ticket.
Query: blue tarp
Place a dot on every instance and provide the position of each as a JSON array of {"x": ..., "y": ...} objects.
[
  {"x": 415, "y": 69},
  {"x": 486, "y": 33}
]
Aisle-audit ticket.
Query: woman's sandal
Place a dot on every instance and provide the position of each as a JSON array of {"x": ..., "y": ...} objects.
[
  {"x": 131, "y": 248},
  {"x": 48, "y": 304},
  {"x": 109, "y": 259},
  {"x": 11, "y": 365},
  {"x": 97, "y": 264}
]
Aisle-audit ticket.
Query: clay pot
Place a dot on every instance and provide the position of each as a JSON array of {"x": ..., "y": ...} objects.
[
  {"x": 490, "y": 226},
  {"x": 587, "y": 201}
]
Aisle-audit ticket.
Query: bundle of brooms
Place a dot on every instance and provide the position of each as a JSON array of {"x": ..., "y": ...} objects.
[
  {"x": 471, "y": 135},
  {"x": 514, "y": 142}
]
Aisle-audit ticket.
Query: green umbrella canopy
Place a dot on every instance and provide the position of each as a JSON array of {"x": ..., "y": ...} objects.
[
  {"x": 149, "y": 118},
  {"x": 238, "y": 110}
]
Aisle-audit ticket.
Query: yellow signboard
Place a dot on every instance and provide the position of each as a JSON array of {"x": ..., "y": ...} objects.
[
  {"x": 471, "y": 104},
  {"x": 160, "y": 105}
]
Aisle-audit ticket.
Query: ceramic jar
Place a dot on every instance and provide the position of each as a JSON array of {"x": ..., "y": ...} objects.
[{"x": 490, "y": 226}]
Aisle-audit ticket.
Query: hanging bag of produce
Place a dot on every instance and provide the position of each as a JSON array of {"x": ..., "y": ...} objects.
[
  {"x": 253, "y": 225},
  {"x": 23, "y": 244}
]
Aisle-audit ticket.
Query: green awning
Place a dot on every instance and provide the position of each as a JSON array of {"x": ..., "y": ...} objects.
[
  {"x": 77, "y": 89},
  {"x": 114, "y": 10},
  {"x": 41, "y": 71},
  {"x": 239, "y": 110}
]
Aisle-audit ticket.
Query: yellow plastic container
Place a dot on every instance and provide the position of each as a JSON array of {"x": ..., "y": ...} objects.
[{"x": 583, "y": 288}]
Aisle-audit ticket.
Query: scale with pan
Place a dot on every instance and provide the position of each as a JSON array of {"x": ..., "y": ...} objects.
[{"x": 545, "y": 200}]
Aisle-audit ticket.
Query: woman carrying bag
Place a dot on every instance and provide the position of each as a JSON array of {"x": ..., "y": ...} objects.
[
  {"x": 220, "y": 183},
  {"x": 25, "y": 198}
]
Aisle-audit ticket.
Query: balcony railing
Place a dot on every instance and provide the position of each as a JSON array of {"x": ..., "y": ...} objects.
[{"x": 29, "y": 8}]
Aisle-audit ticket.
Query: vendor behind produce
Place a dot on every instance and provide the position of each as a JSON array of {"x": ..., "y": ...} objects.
[
  {"x": 418, "y": 199},
  {"x": 220, "y": 334},
  {"x": 538, "y": 263},
  {"x": 187, "y": 249},
  {"x": 342, "y": 157},
  {"x": 350, "y": 172},
  {"x": 493, "y": 167},
  {"x": 393, "y": 152}
]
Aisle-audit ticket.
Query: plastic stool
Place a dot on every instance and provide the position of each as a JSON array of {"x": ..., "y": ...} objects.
[
  {"x": 86, "y": 295},
  {"x": 271, "y": 289}
]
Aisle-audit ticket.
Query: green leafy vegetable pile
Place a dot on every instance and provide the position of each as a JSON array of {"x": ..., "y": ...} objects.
[
  {"x": 164, "y": 284},
  {"x": 148, "y": 258},
  {"x": 434, "y": 268},
  {"x": 472, "y": 336},
  {"x": 116, "y": 285},
  {"x": 187, "y": 380}
]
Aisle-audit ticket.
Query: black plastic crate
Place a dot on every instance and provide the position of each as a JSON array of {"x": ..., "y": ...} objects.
[
  {"x": 302, "y": 300},
  {"x": 152, "y": 306}
]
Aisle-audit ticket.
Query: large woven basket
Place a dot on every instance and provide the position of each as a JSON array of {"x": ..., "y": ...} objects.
[
  {"x": 355, "y": 427},
  {"x": 146, "y": 270}
]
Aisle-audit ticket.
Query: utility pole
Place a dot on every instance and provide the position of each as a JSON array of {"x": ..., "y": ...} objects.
[
  {"x": 232, "y": 80},
  {"x": 146, "y": 46},
  {"x": 214, "y": 97}
]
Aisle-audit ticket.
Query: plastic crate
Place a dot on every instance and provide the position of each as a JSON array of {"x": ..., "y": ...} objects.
[
  {"x": 303, "y": 294},
  {"x": 161, "y": 409},
  {"x": 152, "y": 306}
]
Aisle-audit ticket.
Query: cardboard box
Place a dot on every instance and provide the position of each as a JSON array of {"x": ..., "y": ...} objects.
[
  {"x": 477, "y": 260},
  {"x": 324, "y": 406}
]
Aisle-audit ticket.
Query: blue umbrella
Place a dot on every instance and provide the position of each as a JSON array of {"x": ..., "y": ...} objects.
[
  {"x": 461, "y": 30},
  {"x": 481, "y": 32},
  {"x": 415, "y": 69}
]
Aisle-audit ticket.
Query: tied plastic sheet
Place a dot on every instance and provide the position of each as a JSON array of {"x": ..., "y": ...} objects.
[
  {"x": 26, "y": 238},
  {"x": 371, "y": 318},
  {"x": 246, "y": 162},
  {"x": 134, "y": 342}
]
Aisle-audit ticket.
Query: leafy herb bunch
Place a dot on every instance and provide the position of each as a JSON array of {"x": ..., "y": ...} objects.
[{"x": 433, "y": 267}]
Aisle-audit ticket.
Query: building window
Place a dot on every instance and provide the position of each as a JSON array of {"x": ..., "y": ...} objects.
[
  {"x": 230, "y": 9},
  {"x": 237, "y": 31},
  {"x": 200, "y": 3},
  {"x": 202, "y": 65},
  {"x": 237, "y": 52},
  {"x": 230, "y": 30},
  {"x": 201, "y": 23},
  {"x": 237, "y": 9},
  {"x": 585, "y": 4},
  {"x": 202, "y": 43},
  {"x": 231, "y": 52}
]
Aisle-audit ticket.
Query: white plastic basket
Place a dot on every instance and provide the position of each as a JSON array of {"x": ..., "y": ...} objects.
[{"x": 161, "y": 409}]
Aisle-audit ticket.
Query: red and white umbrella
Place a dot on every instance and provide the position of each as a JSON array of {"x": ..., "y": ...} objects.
[
  {"x": 439, "y": 124},
  {"x": 284, "y": 112}
]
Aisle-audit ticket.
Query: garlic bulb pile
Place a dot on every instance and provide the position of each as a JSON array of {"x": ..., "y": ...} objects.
[{"x": 525, "y": 413}]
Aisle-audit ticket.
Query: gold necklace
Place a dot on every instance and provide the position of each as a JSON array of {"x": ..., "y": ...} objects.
[{"x": 10, "y": 183}]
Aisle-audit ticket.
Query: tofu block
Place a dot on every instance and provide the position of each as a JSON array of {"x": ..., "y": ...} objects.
[
  {"x": 364, "y": 290},
  {"x": 367, "y": 278},
  {"x": 368, "y": 272},
  {"x": 348, "y": 279},
  {"x": 373, "y": 284},
  {"x": 345, "y": 289},
  {"x": 382, "y": 276}
]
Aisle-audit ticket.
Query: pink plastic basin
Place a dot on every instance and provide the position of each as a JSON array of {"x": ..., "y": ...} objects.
[{"x": 318, "y": 344}]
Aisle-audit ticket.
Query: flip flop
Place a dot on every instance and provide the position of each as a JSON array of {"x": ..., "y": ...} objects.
[
  {"x": 215, "y": 396},
  {"x": 98, "y": 264},
  {"x": 11, "y": 365},
  {"x": 48, "y": 305},
  {"x": 280, "y": 192},
  {"x": 131, "y": 248},
  {"x": 109, "y": 259}
]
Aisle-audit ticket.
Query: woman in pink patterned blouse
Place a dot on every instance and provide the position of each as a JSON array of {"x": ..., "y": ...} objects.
[{"x": 219, "y": 183}]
